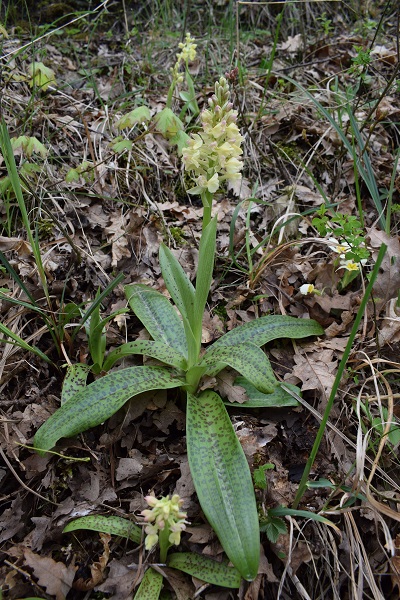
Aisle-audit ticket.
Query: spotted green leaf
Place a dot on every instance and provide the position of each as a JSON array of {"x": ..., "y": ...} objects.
[
  {"x": 99, "y": 401},
  {"x": 74, "y": 381},
  {"x": 112, "y": 524},
  {"x": 205, "y": 568},
  {"x": 265, "y": 329},
  {"x": 278, "y": 398},
  {"x": 246, "y": 358},
  {"x": 158, "y": 316},
  {"x": 177, "y": 282},
  {"x": 157, "y": 350},
  {"x": 222, "y": 479},
  {"x": 150, "y": 586}
]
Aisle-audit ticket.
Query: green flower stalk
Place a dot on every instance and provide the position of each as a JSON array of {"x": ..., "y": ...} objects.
[
  {"x": 166, "y": 523},
  {"x": 187, "y": 54},
  {"x": 212, "y": 156}
]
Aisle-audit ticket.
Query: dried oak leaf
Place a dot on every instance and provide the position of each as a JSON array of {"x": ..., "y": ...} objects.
[
  {"x": 387, "y": 283},
  {"x": 316, "y": 370},
  {"x": 56, "y": 577}
]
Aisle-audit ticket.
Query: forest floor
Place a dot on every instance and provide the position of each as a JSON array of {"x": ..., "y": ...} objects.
[{"x": 318, "y": 95}]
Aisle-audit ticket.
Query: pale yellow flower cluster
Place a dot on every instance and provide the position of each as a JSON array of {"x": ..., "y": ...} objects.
[
  {"x": 165, "y": 512},
  {"x": 187, "y": 54},
  {"x": 212, "y": 155}
]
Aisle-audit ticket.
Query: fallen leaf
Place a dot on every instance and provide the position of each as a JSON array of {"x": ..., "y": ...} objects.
[
  {"x": 387, "y": 283},
  {"x": 316, "y": 370},
  {"x": 117, "y": 237},
  {"x": 56, "y": 577}
]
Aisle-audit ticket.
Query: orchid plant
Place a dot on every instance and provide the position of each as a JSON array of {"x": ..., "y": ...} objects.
[
  {"x": 219, "y": 468},
  {"x": 164, "y": 522}
]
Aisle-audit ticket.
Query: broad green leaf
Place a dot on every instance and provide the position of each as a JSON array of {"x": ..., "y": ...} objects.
[
  {"x": 177, "y": 282},
  {"x": 278, "y": 398},
  {"x": 150, "y": 586},
  {"x": 205, "y": 568},
  {"x": 99, "y": 401},
  {"x": 204, "y": 272},
  {"x": 180, "y": 139},
  {"x": 168, "y": 123},
  {"x": 158, "y": 316},
  {"x": 222, "y": 479},
  {"x": 265, "y": 329},
  {"x": 41, "y": 75},
  {"x": 74, "y": 381},
  {"x": 141, "y": 114},
  {"x": 112, "y": 524},
  {"x": 157, "y": 350},
  {"x": 246, "y": 358}
]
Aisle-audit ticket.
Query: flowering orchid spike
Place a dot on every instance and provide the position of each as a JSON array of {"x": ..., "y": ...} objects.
[
  {"x": 164, "y": 515},
  {"x": 212, "y": 155}
]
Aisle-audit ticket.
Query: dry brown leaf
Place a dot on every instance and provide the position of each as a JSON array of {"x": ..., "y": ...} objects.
[
  {"x": 121, "y": 577},
  {"x": 299, "y": 554},
  {"x": 316, "y": 370},
  {"x": 11, "y": 521},
  {"x": 54, "y": 576},
  {"x": 180, "y": 583},
  {"x": 128, "y": 467},
  {"x": 389, "y": 330},
  {"x": 387, "y": 283},
  {"x": 227, "y": 389},
  {"x": 117, "y": 237},
  {"x": 97, "y": 568},
  {"x": 22, "y": 247}
]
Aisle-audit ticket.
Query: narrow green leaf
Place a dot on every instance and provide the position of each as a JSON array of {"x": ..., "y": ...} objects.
[
  {"x": 223, "y": 481},
  {"x": 150, "y": 586},
  {"x": 282, "y": 511},
  {"x": 158, "y": 350},
  {"x": 177, "y": 282},
  {"x": 13, "y": 338},
  {"x": 158, "y": 316},
  {"x": 205, "y": 568},
  {"x": 246, "y": 358},
  {"x": 112, "y": 524},
  {"x": 265, "y": 329},
  {"x": 99, "y": 401},
  {"x": 74, "y": 381},
  {"x": 204, "y": 272},
  {"x": 278, "y": 398}
]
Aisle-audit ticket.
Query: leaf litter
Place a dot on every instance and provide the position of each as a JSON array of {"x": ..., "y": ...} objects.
[{"x": 112, "y": 218}]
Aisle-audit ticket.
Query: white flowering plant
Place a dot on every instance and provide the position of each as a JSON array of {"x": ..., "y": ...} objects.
[
  {"x": 346, "y": 239},
  {"x": 218, "y": 465}
]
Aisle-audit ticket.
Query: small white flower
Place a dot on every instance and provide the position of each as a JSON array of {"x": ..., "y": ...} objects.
[
  {"x": 307, "y": 288},
  {"x": 350, "y": 265},
  {"x": 339, "y": 247}
]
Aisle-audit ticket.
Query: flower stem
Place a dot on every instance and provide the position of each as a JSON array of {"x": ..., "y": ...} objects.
[{"x": 207, "y": 199}]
